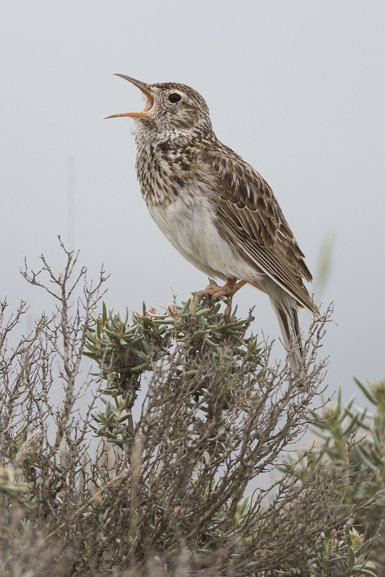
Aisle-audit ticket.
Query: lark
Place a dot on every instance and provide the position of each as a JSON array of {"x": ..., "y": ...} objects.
[{"x": 215, "y": 208}]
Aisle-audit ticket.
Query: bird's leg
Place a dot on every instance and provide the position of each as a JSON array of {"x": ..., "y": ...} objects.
[
  {"x": 228, "y": 309},
  {"x": 235, "y": 287},
  {"x": 227, "y": 290}
]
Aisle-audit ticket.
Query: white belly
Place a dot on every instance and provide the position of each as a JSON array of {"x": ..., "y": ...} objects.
[{"x": 188, "y": 223}]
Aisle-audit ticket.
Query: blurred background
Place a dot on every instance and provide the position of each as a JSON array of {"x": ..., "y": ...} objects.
[{"x": 297, "y": 88}]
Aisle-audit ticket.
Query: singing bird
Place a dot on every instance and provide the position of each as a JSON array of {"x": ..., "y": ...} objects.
[{"x": 216, "y": 210}]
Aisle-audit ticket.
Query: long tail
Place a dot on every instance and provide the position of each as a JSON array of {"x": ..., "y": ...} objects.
[{"x": 285, "y": 308}]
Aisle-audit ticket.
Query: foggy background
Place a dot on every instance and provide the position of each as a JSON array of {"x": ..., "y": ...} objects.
[{"x": 297, "y": 88}]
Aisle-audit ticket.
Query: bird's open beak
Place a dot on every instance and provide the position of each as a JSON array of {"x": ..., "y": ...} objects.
[{"x": 149, "y": 99}]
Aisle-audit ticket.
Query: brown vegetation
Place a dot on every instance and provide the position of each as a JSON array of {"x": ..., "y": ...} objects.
[{"x": 163, "y": 492}]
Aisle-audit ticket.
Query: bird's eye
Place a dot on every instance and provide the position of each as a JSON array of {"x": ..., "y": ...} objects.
[{"x": 174, "y": 97}]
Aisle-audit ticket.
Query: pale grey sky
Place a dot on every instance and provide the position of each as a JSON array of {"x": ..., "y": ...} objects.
[{"x": 297, "y": 88}]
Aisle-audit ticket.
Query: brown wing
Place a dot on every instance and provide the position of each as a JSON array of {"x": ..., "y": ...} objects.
[{"x": 249, "y": 216}]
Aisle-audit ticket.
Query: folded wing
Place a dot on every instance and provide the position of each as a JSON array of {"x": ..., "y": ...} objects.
[{"x": 250, "y": 217}]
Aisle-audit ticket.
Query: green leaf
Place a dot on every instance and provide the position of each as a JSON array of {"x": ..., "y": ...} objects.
[{"x": 366, "y": 392}]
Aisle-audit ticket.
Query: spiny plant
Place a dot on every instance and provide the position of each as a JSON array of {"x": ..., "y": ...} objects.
[{"x": 189, "y": 413}]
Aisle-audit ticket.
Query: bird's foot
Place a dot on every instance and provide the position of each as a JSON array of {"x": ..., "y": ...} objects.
[{"x": 227, "y": 290}]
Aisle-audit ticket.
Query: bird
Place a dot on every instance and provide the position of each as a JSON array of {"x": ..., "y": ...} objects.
[{"x": 215, "y": 208}]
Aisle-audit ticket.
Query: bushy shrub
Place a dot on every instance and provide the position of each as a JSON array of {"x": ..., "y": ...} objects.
[{"x": 189, "y": 416}]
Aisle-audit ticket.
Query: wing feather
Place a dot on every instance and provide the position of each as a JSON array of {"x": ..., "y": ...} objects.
[{"x": 250, "y": 217}]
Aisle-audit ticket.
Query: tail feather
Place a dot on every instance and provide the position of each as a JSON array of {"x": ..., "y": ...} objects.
[{"x": 285, "y": 308}]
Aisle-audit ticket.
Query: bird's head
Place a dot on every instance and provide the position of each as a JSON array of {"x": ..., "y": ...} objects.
[{"x": 169, "y": 108}]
